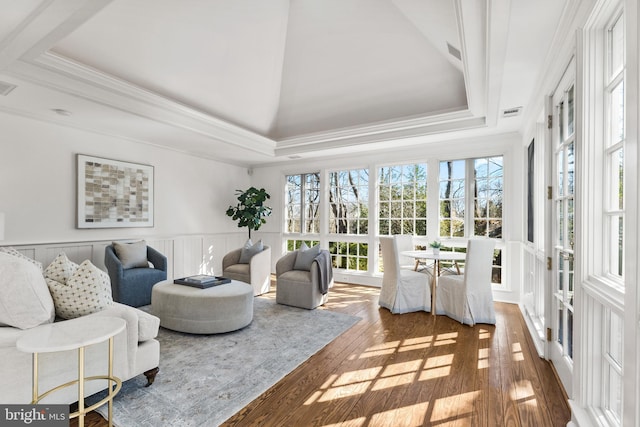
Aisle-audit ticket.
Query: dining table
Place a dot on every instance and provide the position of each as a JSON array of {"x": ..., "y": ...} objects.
[{"x": 436, "y": 257}]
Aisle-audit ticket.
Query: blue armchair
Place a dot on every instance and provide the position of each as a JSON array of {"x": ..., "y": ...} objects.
[{"x": 132, "y": 286}]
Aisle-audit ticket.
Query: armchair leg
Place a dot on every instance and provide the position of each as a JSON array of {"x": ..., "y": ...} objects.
[{"x": 151, "y": 376}]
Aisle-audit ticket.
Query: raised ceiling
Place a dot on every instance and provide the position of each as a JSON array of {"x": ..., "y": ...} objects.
[{"x": 255, "y": 81}]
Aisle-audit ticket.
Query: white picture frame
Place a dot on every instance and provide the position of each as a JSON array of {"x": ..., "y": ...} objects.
[{"x": 114, "y": 193}]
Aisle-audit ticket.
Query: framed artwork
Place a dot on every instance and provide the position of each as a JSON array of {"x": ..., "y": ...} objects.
[{"x": 113, "y": 193}]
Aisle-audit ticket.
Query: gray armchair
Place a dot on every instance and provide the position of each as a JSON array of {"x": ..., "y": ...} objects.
[
  {"x": 300, "y": 288},
  {"x": 257, "y": 272},
  {"x": 132, "y": 286}
]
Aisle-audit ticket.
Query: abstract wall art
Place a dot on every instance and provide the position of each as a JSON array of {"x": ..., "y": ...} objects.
[{"x": 113, "y": 193}]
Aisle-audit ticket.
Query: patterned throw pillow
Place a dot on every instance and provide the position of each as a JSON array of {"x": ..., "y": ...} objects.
[
  {"x": 60, "y": 269},
  {"x": 87, "y": 291},
  {"x": 12, "y": 251}
]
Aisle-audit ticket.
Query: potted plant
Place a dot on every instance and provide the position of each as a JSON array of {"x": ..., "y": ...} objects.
[
  {"x": 250, "y": 210},
  {"x": 436, "y": 245}
]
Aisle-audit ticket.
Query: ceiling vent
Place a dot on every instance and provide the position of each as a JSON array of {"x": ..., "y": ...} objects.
[
  {"x": 6, "y": 88},
  {"x": 454, "y": 52},
  {"x": 512, "y": 112},
  {"x": 295, "y": 157}
]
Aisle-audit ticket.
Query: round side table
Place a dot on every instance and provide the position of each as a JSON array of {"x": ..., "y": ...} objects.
[{"x": 75, "y": 334}]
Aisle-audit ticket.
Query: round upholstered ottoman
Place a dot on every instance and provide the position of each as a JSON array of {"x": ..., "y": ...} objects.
[{"x": 222, "y": 308}]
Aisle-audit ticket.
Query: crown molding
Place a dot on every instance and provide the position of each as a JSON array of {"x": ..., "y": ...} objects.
[
  {"x": 69, "y": 77},
  {"x": 380, "y": 133}
]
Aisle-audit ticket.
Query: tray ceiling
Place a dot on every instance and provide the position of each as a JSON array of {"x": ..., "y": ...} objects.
[{"x": 253, "y": 81}]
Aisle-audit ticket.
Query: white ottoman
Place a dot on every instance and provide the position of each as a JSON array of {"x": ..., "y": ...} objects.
[{"x": 214, "y": 310}]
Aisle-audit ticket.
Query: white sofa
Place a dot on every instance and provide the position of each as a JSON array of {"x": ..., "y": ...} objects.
[
  {"x": 131, "y": 357},
  {"x": 136, "y": 351}
]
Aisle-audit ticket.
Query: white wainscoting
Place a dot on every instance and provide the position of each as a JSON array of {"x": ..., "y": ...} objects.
[{"x": 186, "y": 255}]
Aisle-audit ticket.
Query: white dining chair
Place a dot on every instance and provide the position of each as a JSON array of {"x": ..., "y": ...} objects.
[
  {"x": 404, "y": 242},
  {"x": 468, "y": 297},
  {"x": 403, "y": 290}
]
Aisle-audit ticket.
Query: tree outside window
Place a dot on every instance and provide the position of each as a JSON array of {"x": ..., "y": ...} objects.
[{"x": 402, "y": 199}]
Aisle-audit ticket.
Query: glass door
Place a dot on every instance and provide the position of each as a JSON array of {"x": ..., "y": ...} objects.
[{"x": 562, "y": 238}]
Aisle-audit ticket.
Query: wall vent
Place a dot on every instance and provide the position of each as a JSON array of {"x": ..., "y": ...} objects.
[
  {"x": 511, "y": 112},
  {"x": 6, "y": 88},
  {"x": 454, "y": 52}
]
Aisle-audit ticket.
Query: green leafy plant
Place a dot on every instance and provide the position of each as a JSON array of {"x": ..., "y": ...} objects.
[
  {"x": 250, "y": 210},
  {"x": 435, "y": 244}
]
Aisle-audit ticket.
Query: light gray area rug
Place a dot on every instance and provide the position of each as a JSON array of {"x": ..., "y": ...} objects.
[{"x": 205, "y": 379}]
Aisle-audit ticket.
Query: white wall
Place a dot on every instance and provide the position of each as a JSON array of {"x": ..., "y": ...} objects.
[{"x": 38, "y": 185}]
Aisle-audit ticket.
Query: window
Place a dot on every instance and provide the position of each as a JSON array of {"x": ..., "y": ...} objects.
[
  {"x": 349, "y": 202},
  {"x": 486, "y": 192},
  {"x": 294, "y": 244},
  {"x": 614, "y": 150},
  {"x": 452, "y": 198},
  {"x": 302, "y": 203},
  {"x": 402, "y": 199},
  {"x": 613, "y": 367},
  {"x": 349, "y": 214},
  {"x": 350, "y": 255},
  {"x": 487, "y": 200}
]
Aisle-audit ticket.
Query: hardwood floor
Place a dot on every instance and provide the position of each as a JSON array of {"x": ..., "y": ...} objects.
[{"x": 413, "y": 369}]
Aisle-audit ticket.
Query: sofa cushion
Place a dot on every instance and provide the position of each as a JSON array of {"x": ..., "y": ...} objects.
[
  {"x": 249, "y": 250},
  {"x": 60, "y": 269},
  {"x": 87, "y": 291},
  {"x": 25, "y": 301},
  {"x": 305, "y": 257},
  {"x": 12, "y": 251},
  {"x": 132, "y": 255}
]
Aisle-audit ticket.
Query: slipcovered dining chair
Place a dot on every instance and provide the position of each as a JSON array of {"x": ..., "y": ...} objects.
[
  {"x": 405, "y": 243},
  {"x": 132, "y": 278},
  {"x": 250, "y": 267},
  {"x": 468, "y": 297},
  {"x": 402, "y": 291}
]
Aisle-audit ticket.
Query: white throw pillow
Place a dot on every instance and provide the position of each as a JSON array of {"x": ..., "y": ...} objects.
[
  {"x": 87, "y": 291},
  {"x": 24, "y": 298},
  {"x": 132, "y": 255},
  {"x": 60, "y": 269},
  {"x": 305, "y": 257},
  {"x": 248, "y": 252},
  {"x": 12, "y": 251}
]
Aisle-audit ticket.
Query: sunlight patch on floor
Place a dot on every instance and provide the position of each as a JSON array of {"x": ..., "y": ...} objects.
[
  {"x": 446, "y": 339},
  {"x": 418, "y": 343},
  {"x": 484, "y": 334},
  {"x": 518, "y": 355},
  {"x": 345, "y": 391},
  {"x": 436, "y": 367},
  {"x": 483, "y": 358},
  {"x": 458, "y": 405},
  {"x": 394, "y": 381},
  {"x": 402, "y": 368},
  {"x": 521, "y": 390},
  {"x": 380, "y": 350},
  {"x": 407, "y": 416},
  {"x": 357, "y": 376}
]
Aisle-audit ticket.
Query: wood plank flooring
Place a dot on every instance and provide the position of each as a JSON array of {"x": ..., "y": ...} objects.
[{"x": 413, "y": 369}]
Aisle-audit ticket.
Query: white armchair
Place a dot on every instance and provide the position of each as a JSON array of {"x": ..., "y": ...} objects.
[
  {"x": 468, "y": 298},
  {"x": 257, "y": 272}
]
